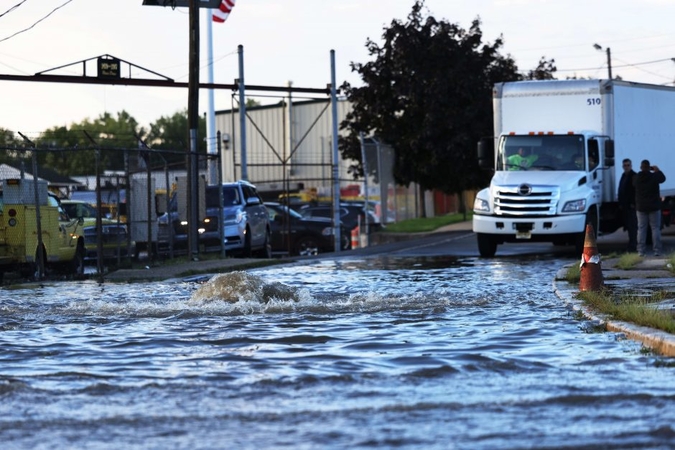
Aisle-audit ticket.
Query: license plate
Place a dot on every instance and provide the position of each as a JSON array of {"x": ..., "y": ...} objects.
[{"x": 523, "y": 234}]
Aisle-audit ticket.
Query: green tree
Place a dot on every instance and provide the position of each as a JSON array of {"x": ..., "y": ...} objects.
[
  {"x": 428, "y": 94},
  {"x": 9, "y": 143},
  {"x": 171, "y": 134},
  {"x": 544, "y": 71},
  {"x": 70, "y": 150}
]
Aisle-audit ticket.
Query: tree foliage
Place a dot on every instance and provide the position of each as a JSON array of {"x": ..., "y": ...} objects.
[
  {"x": 70, "y": 150},
  {"x": 171, "y": 133},
  {"x": 428, "y": 93}
]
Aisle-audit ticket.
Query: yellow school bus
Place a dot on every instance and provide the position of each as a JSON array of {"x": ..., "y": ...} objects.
[{"x": 36, "y": 235}]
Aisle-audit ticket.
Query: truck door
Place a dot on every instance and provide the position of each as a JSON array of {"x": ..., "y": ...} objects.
[
  {"x": 601, "y": 162},
  {"x": 595, "y": 173},
  {"x": 56, "y": 231}
]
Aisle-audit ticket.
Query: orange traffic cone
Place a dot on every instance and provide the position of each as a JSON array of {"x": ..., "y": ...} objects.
[
  {"x": 355, "y": 237},
  {"x": 591, "y": 270}
]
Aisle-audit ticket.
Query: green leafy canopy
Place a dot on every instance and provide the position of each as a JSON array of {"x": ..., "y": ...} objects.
[{"x": 428, "y": 94}]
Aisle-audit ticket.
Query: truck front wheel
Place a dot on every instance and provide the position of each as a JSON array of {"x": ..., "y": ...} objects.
[
  {"x": 487, "y": 245},
  {"x": 591, "y": 219},
  {"x": 77, "y": 264}
]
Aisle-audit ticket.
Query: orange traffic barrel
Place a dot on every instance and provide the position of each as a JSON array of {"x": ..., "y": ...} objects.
[
  {"x": 355, "y": 237},
  {"x": 591, "y": 268}
]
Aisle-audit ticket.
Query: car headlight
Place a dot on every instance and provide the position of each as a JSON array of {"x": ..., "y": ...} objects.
[
  {"x": 240, "y": 217},
  {"x": 328, "y": 231},
  {"x": 575, "y": 206},
  {"x": 480, "y": 205}
]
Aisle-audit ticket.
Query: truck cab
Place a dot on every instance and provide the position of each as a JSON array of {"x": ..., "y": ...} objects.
[{"x": 546, "y": 187}]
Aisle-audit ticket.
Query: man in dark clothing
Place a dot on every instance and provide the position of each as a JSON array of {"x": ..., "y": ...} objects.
[
  {"x": 627, "y": 204},
  {"x": 648, "y": 205}
]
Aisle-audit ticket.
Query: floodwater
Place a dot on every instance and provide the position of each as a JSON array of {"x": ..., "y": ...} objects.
[{"x": 347, "y": 353}]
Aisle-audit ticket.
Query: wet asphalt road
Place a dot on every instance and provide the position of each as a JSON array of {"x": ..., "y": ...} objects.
[{"x": 462, "y": 243}]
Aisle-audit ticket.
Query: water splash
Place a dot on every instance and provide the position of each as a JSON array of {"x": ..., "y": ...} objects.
[{"x": 240, "y": 286}]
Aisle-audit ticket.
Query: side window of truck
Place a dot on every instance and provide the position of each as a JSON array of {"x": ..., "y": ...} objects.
[{"x": 593, "y": 154}]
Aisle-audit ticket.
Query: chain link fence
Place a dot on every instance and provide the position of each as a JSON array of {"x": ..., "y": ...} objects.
[{"x": 122, "y": 192}]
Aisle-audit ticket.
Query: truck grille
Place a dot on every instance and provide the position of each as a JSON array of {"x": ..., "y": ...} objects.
[
  {"x": 112, "y": 234},
  {"x": 526, "y": 200}
]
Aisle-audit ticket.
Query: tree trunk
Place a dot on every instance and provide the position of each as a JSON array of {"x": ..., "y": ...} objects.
[
  {"x": 462, "y": 203},
  {"x": 423, "y": 206}
]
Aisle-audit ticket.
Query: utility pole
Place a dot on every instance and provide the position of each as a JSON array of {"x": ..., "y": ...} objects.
[
  {"x": 193, "y": 125},
  {"x": 609, "y": 58}
]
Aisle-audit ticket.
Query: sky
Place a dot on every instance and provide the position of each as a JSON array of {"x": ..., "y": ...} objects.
[{"x": 290, "y": 41}]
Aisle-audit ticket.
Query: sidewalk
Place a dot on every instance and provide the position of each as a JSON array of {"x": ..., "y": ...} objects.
[
  {"x": 650, "y": 275},
  {"x": 187, "y": 269},
  {"x": 158, "y": 272}
]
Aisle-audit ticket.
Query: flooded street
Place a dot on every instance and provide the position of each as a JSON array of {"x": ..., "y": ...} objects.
[{"x": 377, "y": 352}]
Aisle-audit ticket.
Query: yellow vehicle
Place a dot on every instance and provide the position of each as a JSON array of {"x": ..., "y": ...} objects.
[{"x": 31, "y": 246}]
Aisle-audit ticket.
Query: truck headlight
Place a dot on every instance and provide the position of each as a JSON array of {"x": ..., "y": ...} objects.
[
  {"x": 480, "y": 205},
  {"x": 575, "y": 206}
]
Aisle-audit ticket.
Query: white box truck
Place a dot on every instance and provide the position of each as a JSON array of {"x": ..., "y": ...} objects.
[{"x": 556, "y": 154}]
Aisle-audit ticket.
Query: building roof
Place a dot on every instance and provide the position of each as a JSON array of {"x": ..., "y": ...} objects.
[{"x": 50, "y": 176}]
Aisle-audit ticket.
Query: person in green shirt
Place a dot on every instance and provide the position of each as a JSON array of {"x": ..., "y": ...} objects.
[{"x": 521, "y": 160}]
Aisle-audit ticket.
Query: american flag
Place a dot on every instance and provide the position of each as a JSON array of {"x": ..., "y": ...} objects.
[{"x": 220, "y": 14}]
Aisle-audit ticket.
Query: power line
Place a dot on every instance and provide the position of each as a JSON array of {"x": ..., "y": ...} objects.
[
  {"x": 30, "y": 27},
  {"x": 648, "y": 71},
  {"x": 623, "y": 65},
  {"x": 13, "y": 8}
]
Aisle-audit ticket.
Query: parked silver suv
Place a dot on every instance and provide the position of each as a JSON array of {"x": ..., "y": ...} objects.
[{"x": 246, "y": 229}]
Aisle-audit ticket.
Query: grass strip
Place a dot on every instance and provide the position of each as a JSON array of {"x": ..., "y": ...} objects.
[
  {"x": 635, "y": 309},
  {"x": 421, "y": 225}
]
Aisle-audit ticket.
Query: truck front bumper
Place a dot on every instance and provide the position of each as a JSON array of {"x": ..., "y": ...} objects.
[{"x": 526, "y": 228}]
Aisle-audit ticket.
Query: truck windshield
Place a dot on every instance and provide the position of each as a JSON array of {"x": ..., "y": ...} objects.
[{"x": 551, "y": 152}]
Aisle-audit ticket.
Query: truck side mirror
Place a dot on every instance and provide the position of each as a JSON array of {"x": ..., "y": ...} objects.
[
  {"x": 486, "y": 153},
  {"x": 609, "y": 148},
  {"x": 609, "y": 153}
]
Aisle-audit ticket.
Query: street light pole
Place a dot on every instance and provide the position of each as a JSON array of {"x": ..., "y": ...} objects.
[{"x": 609, "y": 58}]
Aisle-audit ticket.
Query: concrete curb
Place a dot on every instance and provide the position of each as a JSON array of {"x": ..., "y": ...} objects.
[{"x": 659, "y": 341}]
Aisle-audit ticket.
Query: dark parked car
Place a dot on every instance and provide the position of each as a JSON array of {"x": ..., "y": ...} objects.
[
  {"x": 297, "y": 235},
  {"x": 349, "y": 215}
]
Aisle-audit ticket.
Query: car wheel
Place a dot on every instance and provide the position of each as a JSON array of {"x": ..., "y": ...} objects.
[
  {"x": 307, "y": 245},
  {"x": 77, "y": 264},
  {"x": 266, "y": 250},
  {"x": 246, "y": 251},
  {"x": 346, "y": 240},
  {"x": 591, "y": 219}
]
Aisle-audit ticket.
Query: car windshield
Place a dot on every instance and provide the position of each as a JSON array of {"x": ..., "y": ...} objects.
[
  {"x": 275, "y": 210},
  {"x": 230, "y": 197},
  {"x": 79, "y": 210},
  {"x": 292, "y": 213}
]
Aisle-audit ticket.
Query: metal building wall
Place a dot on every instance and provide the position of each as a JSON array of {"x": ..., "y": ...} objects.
[{"x": 283, "y": 144}]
